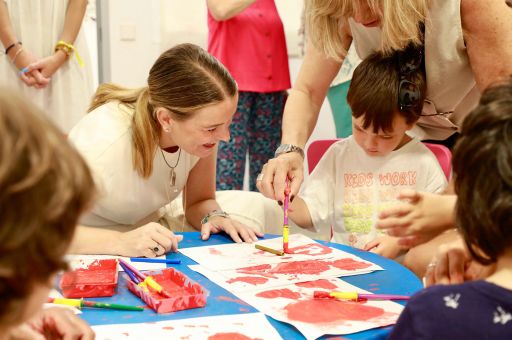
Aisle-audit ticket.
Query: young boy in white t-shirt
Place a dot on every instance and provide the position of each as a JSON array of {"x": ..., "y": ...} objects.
[{"x": 359, "y": 176}]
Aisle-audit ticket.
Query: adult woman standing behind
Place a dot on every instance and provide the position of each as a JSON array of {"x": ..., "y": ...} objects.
[
  {"x": 247, "y": 36},
  {"x": 43, "y": 39},
  {"x": 468, "y": 45},
  {"x": 147, "y": 145}
]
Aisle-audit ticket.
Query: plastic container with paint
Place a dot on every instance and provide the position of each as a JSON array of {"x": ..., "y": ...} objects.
[
  {"x": 95, "y": 279},
  {"x": 185, "y": 293}
]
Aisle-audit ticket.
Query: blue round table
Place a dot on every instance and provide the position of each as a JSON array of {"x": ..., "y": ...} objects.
[{"x": 395, "y": 279}]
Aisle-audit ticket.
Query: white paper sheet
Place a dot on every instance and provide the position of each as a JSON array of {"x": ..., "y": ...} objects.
[
  {"x": 239, "y": 255},
  {"x": 82, "y": 261},
  {"x": 223, "y": 327},
  {"x": 295, "y": 305}
]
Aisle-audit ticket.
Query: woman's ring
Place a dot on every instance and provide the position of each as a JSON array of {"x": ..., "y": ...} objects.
[
  {"x": 260, "y": 177},
  {"x": 156, "y": 250}
]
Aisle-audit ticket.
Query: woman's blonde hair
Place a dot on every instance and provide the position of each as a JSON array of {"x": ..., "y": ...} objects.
[
  {"x": 400, "y": 23},
  {"x": 183, "y": 80}
]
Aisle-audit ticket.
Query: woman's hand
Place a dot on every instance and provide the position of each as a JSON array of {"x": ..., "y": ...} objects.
[
  {"x": 272, "y": 180},
  {"x": 238, "y": 231},
  {"x": 32, "y": 78},
  {"x": 53, "y": 323},
  {"x": 49, "y": 65},
  {"x": 452, "y": 264},
  {"x": 420, "y": 218},
  {"x": 386, "y": 246},
  {"x": 150, "y": 240}
]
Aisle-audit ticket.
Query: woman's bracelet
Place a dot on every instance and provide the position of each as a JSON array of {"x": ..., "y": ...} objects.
[
  {"x": 68, "y": 49},
  {"x": 16, "y": 55},
  {"x": 213, "y": 213},
  {"x": 11, "y": 46}
]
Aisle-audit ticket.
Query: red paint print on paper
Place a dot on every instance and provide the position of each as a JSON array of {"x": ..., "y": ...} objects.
[
  {"x": 350, "y": 264},
  {"x": 310, "y": 267},
  {"x": 97, "y": 279},
  {"x": 229, "y": 336},
  {"x": 311, "y": 249},
  {"x": 329, "y": 311},
  {"x": 279, "y": 293},
  {"x": 322, "y": 283},
  {"x": 253, "y": 280}
]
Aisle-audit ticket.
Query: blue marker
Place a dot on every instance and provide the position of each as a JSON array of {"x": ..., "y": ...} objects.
[{"x": 145, "y": 259}]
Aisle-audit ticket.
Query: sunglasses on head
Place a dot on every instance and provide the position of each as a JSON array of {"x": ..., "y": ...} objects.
[{"x": 409, "y": 94}]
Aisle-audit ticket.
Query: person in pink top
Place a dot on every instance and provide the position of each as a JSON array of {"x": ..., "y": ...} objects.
[{"x": 247, "y": 36}]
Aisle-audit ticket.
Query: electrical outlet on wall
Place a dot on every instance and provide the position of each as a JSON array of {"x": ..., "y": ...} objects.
[{"x": 127, "y": 32}]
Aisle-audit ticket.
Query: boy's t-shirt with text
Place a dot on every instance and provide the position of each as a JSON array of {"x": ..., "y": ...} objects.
[{"x": 347, "y": 189}]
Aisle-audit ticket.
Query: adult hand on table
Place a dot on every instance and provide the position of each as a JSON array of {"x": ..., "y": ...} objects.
[
  {"x": 53, "y": 323},
  {"x": 238, "y": 231},
  {"x": 149, "y": 240},
  {"x": 271, "y": 182},
  {"x": 421, "y": 217}
]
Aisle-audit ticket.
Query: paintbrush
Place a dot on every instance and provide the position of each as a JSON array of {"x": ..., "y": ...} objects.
[
  {"x": 317, "y": 294},
  {"x": 146, "y": 279},
  {"x": 286, "y": 230},
  {"x": 270, "y": 250},
  {"x": 92, "y": 304}
]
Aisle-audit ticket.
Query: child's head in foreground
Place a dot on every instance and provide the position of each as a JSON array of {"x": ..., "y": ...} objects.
[
  {"x": 44, "y": 186},
  {"x": 482, "y": 165},
  {"x": 386, "y": 96}
]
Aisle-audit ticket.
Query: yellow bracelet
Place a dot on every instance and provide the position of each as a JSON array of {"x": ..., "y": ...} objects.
[{"x": 68, "y": 49}]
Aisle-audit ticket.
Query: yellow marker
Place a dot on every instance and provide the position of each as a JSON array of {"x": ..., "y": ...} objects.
[
  {"x": 344, "y": 295},
  {"x": 68, "y": 302}
]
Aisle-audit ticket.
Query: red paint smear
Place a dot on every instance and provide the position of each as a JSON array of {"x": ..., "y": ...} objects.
[
  {"x": 279, "y": 293},
  {"x": 227, "y": 298},
  {"x": 310, "y": 267},
  {"x": 214, "y": 251},
  {"x": 311, "y": 249},
  {"x": 325, "y": 284},
  {"x": 329, "y": 311},
  {"x": 244, "y": 310},
  {"x": 228, "y": 336},
  {"x": 256, "y": 269},
  {"x": 168, "y": 328},
  {"x": 249, "y": 279},
  {"x": 373, "y": 284},
  {"x": 350, "y": 264},
  {"x": 374, "y": 289},
  {"x": 96, "y": 280}
]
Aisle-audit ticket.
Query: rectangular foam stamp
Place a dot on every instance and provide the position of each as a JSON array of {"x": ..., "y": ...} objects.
[
  {"x": 185, "y": 293},
  {"x": 93, "y": 279}
]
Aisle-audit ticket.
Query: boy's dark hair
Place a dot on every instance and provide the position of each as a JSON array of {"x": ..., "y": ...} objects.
[
  {"x": 374, "y": 90},
  {"x": 482, "y": 164},
  {"x": 44, "y": 186}
]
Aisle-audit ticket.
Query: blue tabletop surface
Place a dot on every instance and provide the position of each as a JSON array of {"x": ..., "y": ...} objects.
[{"x": 395, "y": 279}]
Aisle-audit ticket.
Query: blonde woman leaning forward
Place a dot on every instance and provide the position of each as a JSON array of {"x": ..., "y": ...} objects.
[
  {"x": 147, "y": 145},
  {"x": 467, "y": 46}
]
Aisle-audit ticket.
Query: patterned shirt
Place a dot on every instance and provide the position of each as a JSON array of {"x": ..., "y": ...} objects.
[{"x": 473, "y": 310}]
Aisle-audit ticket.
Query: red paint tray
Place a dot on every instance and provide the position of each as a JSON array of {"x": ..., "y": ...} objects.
[
  {"x": 97, "y": 279},
  {"x": 185, "y": 293}
]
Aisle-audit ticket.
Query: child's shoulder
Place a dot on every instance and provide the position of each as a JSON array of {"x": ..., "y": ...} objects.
[{"x": 453, "y": 295}]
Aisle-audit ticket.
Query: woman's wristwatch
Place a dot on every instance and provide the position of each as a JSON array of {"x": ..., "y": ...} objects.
[
  {"x": 213, "y": 213},
  {"x": 285, "y": 148}
]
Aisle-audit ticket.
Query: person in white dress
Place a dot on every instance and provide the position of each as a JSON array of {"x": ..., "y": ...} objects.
[
  {"x": 47, "y": 57},
  {"x": 145, "y": 146}
]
